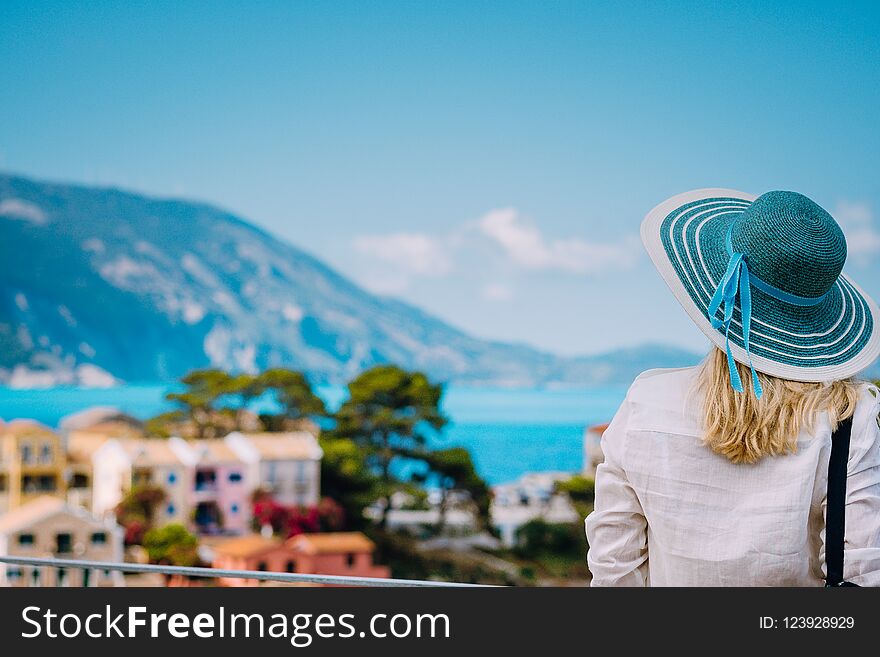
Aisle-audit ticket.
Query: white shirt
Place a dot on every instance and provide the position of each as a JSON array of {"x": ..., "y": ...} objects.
[{"x": 670, "y": 512}]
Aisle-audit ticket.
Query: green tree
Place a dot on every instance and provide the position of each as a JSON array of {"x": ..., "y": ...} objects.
[
  {"x": 389, "y": 413},
  {"x": 346, "y": 478},
  {"x": 537, "y": 537},
  {"x": 581, "y": 491},
  {"x": 203, "y": 388},
  {"x": 247, "y": 388},
  {"x": 455, "y": 470},
  {"x": 294, "y": 394},
  {"x": 172, "y": 545}
]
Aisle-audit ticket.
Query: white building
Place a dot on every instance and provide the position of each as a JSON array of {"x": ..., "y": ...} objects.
[
  {"x": 288, "y": 465},
  {"x": 119, "y": 464},
  {"x": 531, "y": 496}
]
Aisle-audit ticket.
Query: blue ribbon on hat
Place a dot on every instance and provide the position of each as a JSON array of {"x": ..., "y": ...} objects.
[{"x": 737, "y": 280}]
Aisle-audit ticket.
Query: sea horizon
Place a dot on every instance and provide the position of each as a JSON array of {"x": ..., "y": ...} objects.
[{"x": 509, "y": 431}]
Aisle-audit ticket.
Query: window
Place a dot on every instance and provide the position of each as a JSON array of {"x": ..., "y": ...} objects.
[
  {"x": 44, "y": 483},
  {"x": 172, "y": 478},
  {"x": 46, "y": 453},
  {"x": 79, "y": 480},
  {"x": 99, "y": 538},
  {"x": 26, "y": 453},
  {"x": 261, "y": 566},
  {"x": 234, "y": 508},
  {"x": 35, "y": 577},
  {"x": 170, "y": 510},
  {"x": 13, "y": 574},
  {"x": 61, "y": 577},
  {"x": 63, "y": 543},
  {"x": 2, "y": 483},
  {"x": 349, "y": 559},
  {"x": 234, "y": 477},
  {"x": 290, "y": 567},
  {"x": 206, "y": 480},
  {"x": 25, "y": 539}
]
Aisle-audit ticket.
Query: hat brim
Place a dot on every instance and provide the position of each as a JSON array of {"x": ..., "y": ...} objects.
[{"x": 835, "y": 339}]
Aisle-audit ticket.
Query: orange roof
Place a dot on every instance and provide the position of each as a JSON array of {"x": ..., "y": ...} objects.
[
  {"x": 598, "y": 428},
  {"x": 247, "y": 546},
  {"x": 332, "y": 542}
]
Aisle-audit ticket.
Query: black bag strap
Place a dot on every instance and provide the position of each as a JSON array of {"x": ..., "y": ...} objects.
[{"x": 835, "y": 507}]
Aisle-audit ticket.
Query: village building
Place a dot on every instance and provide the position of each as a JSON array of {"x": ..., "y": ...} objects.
[
  {"x": 32, "y": 463},
  {"x": 121, "y": 464},
  {"x": 286, "y": 465},
  {"x": 219, "y": 488},
  {"x": 347, "y": 554},
  {"x": 48, "y": 527}
]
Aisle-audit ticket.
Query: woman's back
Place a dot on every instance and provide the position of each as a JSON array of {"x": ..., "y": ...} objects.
[{"x": 706, "y": 521}]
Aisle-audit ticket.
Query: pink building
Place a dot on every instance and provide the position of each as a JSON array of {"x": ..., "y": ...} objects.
[
  {"x": 219, "y": 489},
  {"x": 333, "y": 553}
]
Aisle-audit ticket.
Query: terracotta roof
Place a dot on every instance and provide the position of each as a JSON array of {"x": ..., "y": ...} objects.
[
  {"x": 35, "y": 510},
  {"x": 280, "y": 446},
  {"x": 246, "y": 546},
  {"x": 598, "y": 428},
  {"x": 332, "y": 542}
]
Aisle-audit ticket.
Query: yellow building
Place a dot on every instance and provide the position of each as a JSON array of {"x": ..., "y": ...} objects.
[{"x": 32, "y": 463}]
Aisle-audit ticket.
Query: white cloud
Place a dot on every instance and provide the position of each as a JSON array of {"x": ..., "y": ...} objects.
[
  {"x": 497, "y": 292},
  {"x": 857, "y": 221},
  {"x": 527, "y": 247},
  {"x": 15, "y": 208},
  {"x": 292, "y": 313},
  {"x": 410, "y": 253}
]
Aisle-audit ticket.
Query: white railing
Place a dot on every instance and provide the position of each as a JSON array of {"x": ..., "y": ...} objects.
[{"x": 262, "y": 575}]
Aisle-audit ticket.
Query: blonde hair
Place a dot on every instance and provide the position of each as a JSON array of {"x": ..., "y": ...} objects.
[{"x": 746, "y": 429}]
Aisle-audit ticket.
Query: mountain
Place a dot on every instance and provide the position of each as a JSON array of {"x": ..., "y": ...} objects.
[{"x": 102, "y": 285}]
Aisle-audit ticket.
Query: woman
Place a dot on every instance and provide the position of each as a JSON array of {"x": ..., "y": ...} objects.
[{"x": 717, "y": 475}]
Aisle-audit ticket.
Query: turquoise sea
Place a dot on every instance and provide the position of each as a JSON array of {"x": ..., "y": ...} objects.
[{"x": 508, "y": 431}]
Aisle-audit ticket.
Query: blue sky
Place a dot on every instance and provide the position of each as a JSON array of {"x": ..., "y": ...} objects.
[{"x": 487, "y": 161}]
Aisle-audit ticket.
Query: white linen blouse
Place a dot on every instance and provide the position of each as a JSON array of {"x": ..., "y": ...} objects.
[{"x": 670, "y": 512}]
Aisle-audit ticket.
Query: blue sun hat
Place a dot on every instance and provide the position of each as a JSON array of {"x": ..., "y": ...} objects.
[{"x": 762, "y": 278}]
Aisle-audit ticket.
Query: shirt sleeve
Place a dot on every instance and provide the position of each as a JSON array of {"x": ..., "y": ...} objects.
[
  {"x": 861, "y": 556},
  {"x": 616, "y": 529}
]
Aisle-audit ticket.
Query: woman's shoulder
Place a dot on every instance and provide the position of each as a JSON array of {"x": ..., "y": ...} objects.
[
  {"x": 663, "y": 383},
  {"x": 661, "y": 400}
]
